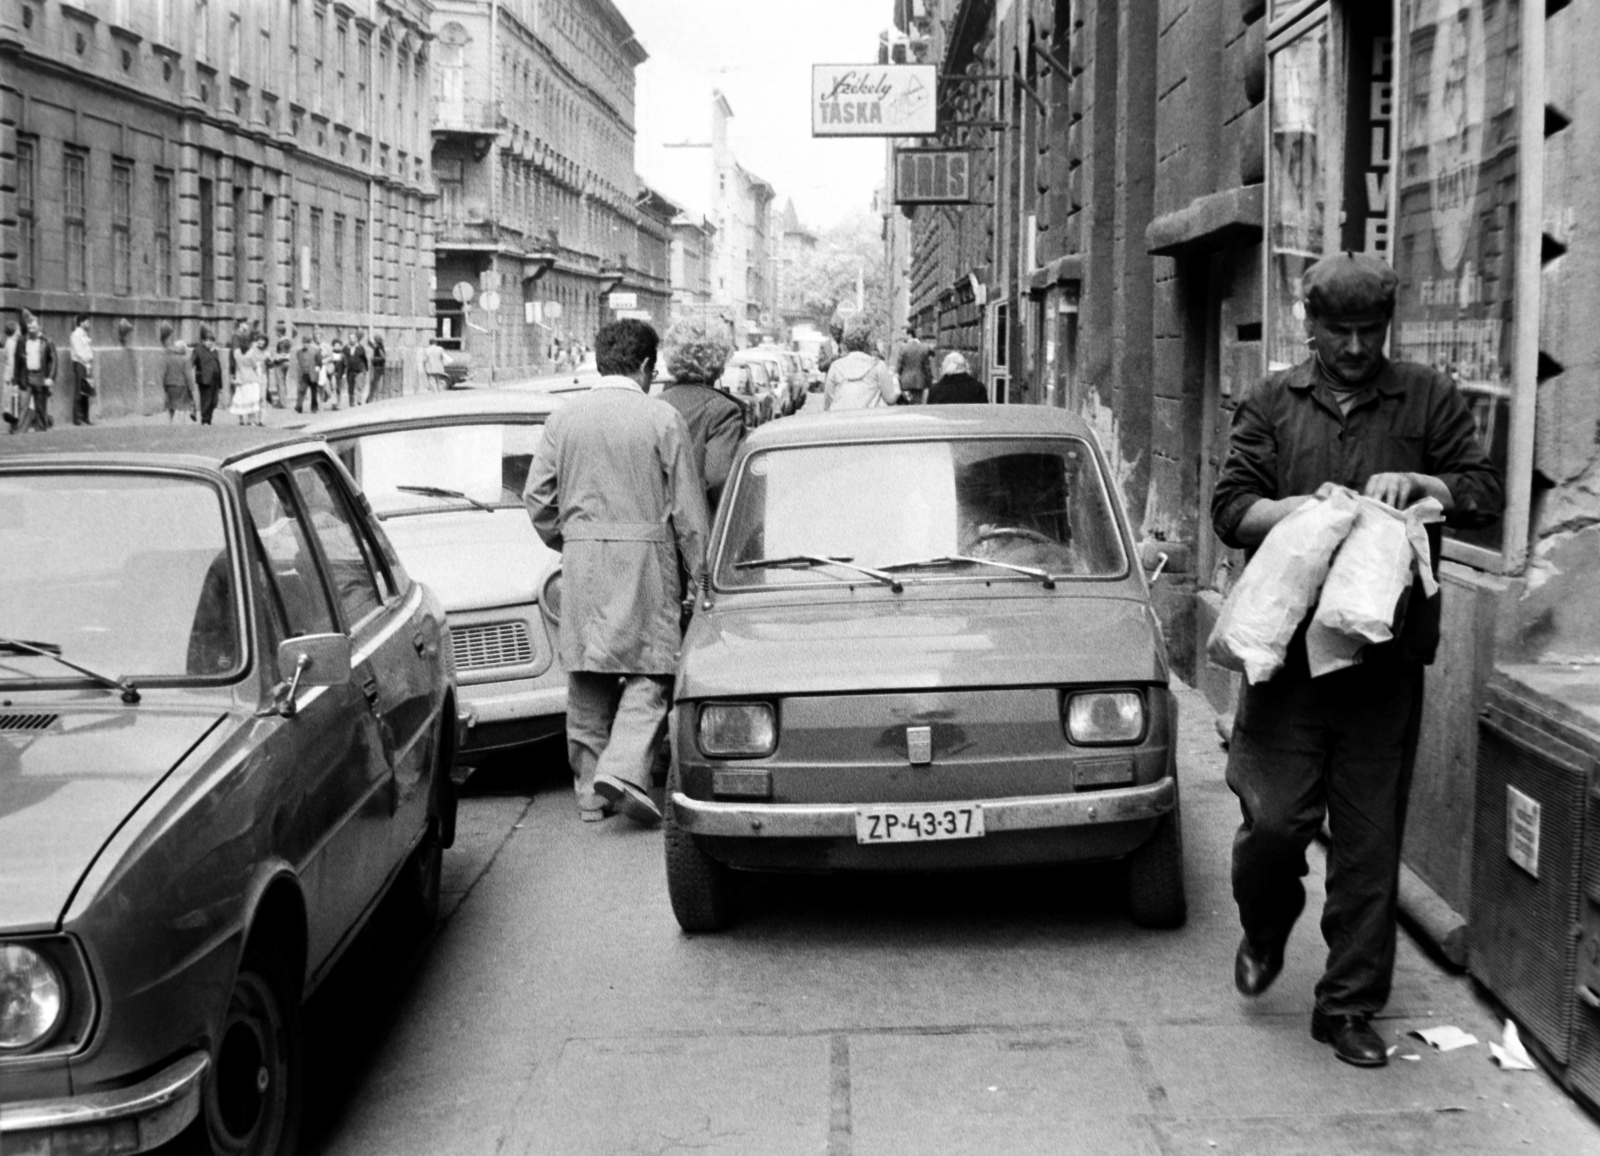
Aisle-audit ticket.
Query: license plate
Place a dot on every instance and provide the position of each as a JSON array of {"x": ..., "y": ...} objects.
[{"x": 919, "y": 824}]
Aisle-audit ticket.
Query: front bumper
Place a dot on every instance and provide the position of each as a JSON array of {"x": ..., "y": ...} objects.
[
  {"x": 1000, "y": 816},
  {"x": 134, "y": 1119},
  {"x": 497, "y": 715}
]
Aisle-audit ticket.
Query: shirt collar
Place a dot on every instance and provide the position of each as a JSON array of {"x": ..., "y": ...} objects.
[
  {"x": 1309, "y": 373},
  {"x": 617, "y": 381}
]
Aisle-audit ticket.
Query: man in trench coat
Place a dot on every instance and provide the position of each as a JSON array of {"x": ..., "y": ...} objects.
[{"x": 614, "y": 487}]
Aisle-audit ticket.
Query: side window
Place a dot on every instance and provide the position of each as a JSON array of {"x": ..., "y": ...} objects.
[
  {"x": 345, "y": 547},
  {"x": 290, "y": 560}
]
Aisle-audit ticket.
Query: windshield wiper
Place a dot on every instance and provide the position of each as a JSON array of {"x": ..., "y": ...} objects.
[
  {"x": 800, "y": 560},
  {"x": 51, "y": 650},
  {"x": 441, "y": 492},
  {"x": 1046, "y": 579}
]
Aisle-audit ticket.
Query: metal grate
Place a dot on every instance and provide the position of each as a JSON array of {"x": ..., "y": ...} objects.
[
  {"x": 27, "y": 722},
  {"x": 493, "y": 645}
]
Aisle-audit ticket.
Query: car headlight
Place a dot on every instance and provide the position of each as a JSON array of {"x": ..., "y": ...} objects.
[
  {"x": 731, "y": 730},
  {"x": 32, "y": 996},
  {"x": 1107, "y": 716}
]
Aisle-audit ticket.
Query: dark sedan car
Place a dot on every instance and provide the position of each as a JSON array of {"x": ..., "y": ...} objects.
[
  {"x": 926, "y": 645},
  {"x": 224, "y": 714}
]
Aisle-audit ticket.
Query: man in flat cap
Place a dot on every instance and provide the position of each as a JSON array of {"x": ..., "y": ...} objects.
[{"x": 1343, "y": 743}]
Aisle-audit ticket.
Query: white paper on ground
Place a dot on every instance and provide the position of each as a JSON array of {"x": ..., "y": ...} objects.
[
  {"x": 1509, "y": 1052},
  {"x": 1446, "y": 1039}
]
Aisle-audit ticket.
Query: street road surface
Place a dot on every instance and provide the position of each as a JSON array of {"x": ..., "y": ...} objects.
[{"x": 558, "y": 1009}]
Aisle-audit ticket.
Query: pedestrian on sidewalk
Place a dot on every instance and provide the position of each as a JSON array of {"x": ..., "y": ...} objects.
[
  {"x": 10, "y": 395},
  {"x": 82, "y": 356},
  {"x": 378, "y": 359},
  {"x": 175, "y": 383},
  {"x": 34, "y": 370},
  {"x": 307, "y": 367},
  {"x": 433, "y": 364},
  {"x": 614, "y": 488},
  {"x": 695, "y": 355},
  {"x": 913, "y": 367},
  {"x": 250, "y": 375},
  {"x": 1342, "y": 744},
  {"x": 860, "y": 379},
  {"x": 278, "y": 370},
  {"x": 956, "y": 385},
  {"x": 355, "y": 370},
  {"x": 207, "y": 365}
]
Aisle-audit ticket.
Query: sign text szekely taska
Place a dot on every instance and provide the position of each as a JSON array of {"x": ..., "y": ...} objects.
[{"x": 874, "y": 100}]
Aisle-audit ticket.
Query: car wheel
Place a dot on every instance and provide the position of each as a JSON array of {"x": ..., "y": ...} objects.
[
  {"x": 701, "y": 889},
  {"x": 251, "y": 1098},
  {"x": 1155, "y": 876}
]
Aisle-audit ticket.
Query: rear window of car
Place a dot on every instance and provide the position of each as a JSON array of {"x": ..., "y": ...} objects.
[
  {"x": 127, "y": 573},
  {"x": 420, "y": 470},
  {"x": 1031, "y": 502}
]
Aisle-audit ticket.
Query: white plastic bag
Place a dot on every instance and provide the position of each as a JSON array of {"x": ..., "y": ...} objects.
[
  {"x": 1279, "y": 586},
  {"x": 1368, "y": 576}
]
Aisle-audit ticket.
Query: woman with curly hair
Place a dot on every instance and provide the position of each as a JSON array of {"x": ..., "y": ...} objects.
[
  {"x": 860, "y": 379},
  {"x": 695, "y": 355}
]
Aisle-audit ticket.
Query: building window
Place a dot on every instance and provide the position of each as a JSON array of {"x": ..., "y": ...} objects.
[
  {"x": 239, "y": 222},
  {"x": 208, "y": 240},
  {"x": 162, "y": 214},
  {"x": 121, "y": 228},
  {"x": 294, "y": 50},
  {"x": 341, "y": 64},
  {"x": 448, "y": 173},
  {"x": 381, "y": 128},
  {"x": 363, "y": 80},
  {"x": 338, "y": 300},
  {"x": 202, "y": 30},
  {"x": 315, "y": 247},
  {"x": 74, "y": 167},
  {"x": 319, "y": 50},
  {"x": 361, "y": 301},
  {"x": 235, "y": 45},
  {"x": 27, "y": 180}
]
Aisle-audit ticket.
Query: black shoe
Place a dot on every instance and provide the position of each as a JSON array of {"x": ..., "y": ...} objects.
[
  {"x": 1352, "y": 1038},
  {"x": 1254, "y": 968}
]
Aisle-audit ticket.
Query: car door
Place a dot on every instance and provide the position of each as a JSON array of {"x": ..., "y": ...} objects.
[
  {"x": 390, "y": 649},
  {"x": 329, "y": 749}
]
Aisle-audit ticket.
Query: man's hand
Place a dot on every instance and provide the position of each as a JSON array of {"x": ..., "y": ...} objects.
[{"x": 1392, "y": 489}]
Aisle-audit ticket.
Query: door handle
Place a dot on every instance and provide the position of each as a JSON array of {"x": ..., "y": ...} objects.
[{"x": 369, "y": 687}]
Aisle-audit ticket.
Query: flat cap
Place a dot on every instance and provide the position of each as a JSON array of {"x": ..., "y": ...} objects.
[{"x": 1349, "y": 285}]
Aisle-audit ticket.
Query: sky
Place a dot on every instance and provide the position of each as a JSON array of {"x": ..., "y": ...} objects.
[{"x": 759, "y": 53}]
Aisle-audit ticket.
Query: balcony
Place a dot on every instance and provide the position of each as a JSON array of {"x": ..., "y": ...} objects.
[{"x": 466, "y": 117}]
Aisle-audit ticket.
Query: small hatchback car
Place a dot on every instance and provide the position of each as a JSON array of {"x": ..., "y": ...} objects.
[
  {"x": 925, "y": 644},
  {"x": 225, "y": 716}
]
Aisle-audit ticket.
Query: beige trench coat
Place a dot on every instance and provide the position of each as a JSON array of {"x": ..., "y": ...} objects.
[{"x": 613, "y": 486}]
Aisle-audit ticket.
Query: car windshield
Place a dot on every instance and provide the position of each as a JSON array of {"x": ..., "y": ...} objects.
[
  {"x": 929, "y": 510},
  {"x": 125, "y": 573},
  {"x": 442, "y": 467}
]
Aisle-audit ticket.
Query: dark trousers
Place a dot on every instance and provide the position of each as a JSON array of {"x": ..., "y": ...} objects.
[
  {"x": 354, "y": 387},
  {"x": 375, "y": 385},
  {"x": 1343, "y": 744},
  {"x": 209, "y": 393},
  {"x": 308, "y": 384},
  {"x": 82, "y": 391}
]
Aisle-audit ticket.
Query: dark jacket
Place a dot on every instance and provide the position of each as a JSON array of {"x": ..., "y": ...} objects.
[
  {"x": 914, "y": 365},
  {"x": 716, "y": 429},
  {"x": 47, "y": 361},
  {"x": 1289, "y": 437},
  {"x": 207, "y": 366},
  {"x": 355, "y": 359},
  {"x": 958, "y": 389}
]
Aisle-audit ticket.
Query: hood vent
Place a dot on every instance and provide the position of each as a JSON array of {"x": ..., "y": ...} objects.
[{"x": 27, "y": 722}]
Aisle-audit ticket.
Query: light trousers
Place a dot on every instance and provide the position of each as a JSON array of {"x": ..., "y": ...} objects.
[{"x": 614, "y": 727}]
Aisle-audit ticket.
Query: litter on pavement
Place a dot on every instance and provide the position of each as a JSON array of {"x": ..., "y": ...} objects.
[
  {"x": 1446, "y": 1039},
  {"x": 1509, "y": 1052}
]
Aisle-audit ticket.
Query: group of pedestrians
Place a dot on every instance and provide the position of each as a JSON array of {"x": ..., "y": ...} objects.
[
  {"x": 326, "y": 371},
  {"x": 30, "y": 367},
  {"x": 857, "y": 378}
]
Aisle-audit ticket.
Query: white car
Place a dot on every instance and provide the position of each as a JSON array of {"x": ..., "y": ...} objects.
[{"x": 444, "y": 473}]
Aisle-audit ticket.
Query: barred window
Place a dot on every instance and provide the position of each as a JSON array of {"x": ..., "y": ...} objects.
[
  {"x": 338, "y": 261},
  {"x": 162, "y": 215},
  {"x": 315, "y": 246},
  {"x": 26, "y": 180},
  {"x": 361, "y": 266},
  {"x": 73, "y": 168},
  {"x": 122, "y": 228}
]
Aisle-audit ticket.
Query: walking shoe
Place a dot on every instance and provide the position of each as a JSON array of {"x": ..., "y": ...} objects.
[
  {"x": 595, "y": 814},
  {"x": 1254, "y": 968},
  {"x": 1352, "y": 1038},
  {"x": 632, "y": 801}
]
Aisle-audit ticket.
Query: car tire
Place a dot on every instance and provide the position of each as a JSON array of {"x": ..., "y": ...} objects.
[
  {"x": 701, "y": 889},
  {"x": 253, "y": 1093},
  {"x": 1155, "y": 876},
  {"x": 417, "y": 889}
]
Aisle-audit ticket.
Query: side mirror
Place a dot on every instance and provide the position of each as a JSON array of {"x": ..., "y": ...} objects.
[{"x": 310, "y": 660}]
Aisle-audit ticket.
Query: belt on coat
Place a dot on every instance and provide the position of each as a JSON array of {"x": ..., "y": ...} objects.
[{"x": 614, "y": 532}]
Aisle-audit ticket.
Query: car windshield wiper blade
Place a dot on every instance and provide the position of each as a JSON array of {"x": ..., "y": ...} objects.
[
  {"x": 1044, "y": 576},
  {"x": 441, "y": 492},
  {"x": 846, "y": 563},
  {"x": 51, "y": 650}
]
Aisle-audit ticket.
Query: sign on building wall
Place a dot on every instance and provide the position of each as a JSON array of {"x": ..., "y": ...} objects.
[
  {"x": 931, "y": 177},
  {"x": 622, "y": 301},
  {"x": 874, "y": 100}
]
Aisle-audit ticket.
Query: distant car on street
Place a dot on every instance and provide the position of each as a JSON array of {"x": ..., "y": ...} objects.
[
  {"x": 926, "y": 644},
  {"x": 226, "y": 722},
  {"x": 445, "y": 475},
  {"x": 790, "y": 374},
  {"x": 754, "y": 383}
]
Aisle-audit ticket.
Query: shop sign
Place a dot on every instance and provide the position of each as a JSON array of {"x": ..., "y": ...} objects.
[
  {"x": 621, "y": 301},
  {"x": 931, "y": 177},
  {"x": 1522, "y": 830},
  {"x": 874, "y": 100},
  {"x": 633, "y": 315}
]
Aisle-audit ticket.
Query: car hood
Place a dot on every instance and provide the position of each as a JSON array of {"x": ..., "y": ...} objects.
[
  {"x": 65, "y": 789},
  {"x": 473, "y": 559},
  {"x": 838, "y": 648}
]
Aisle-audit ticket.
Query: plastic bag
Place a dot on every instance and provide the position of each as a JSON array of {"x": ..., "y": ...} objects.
[
  {"x": 1369, "y": 575},
  {"x": 1279, "y": 586}
]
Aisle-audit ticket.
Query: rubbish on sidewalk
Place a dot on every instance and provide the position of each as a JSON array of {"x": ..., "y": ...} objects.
[
  {"x": 1509, "y": 1052},
  {"x": 1415, "y": 1059},
  {"x": 1446, "y": 1039}
]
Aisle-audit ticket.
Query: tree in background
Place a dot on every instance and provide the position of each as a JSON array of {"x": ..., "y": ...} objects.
[{"x": 827, "y": 275}]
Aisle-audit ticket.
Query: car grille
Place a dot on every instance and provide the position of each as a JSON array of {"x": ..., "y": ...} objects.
[
  {"x": 27, "y": 722},
  {"x": 492, "y": 645}
]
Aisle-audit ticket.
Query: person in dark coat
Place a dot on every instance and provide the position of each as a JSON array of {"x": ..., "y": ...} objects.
[
  {"x": 913, "y": 365},
  {"x": 1341, "y": 745},
  {"x": 956, "y": 385},
  {"x": 207, "y": 365},
  {"x": 694, "y": 356},
  {"x": 378, "y": 362},
  {"x": 34, "y": 371}
]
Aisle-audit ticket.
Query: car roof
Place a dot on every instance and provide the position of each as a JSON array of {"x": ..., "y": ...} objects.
[
  {"x": 921, "y": 422},
  {"x": 431, "y": 408},
  {"x": 203, "y": 447}
]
